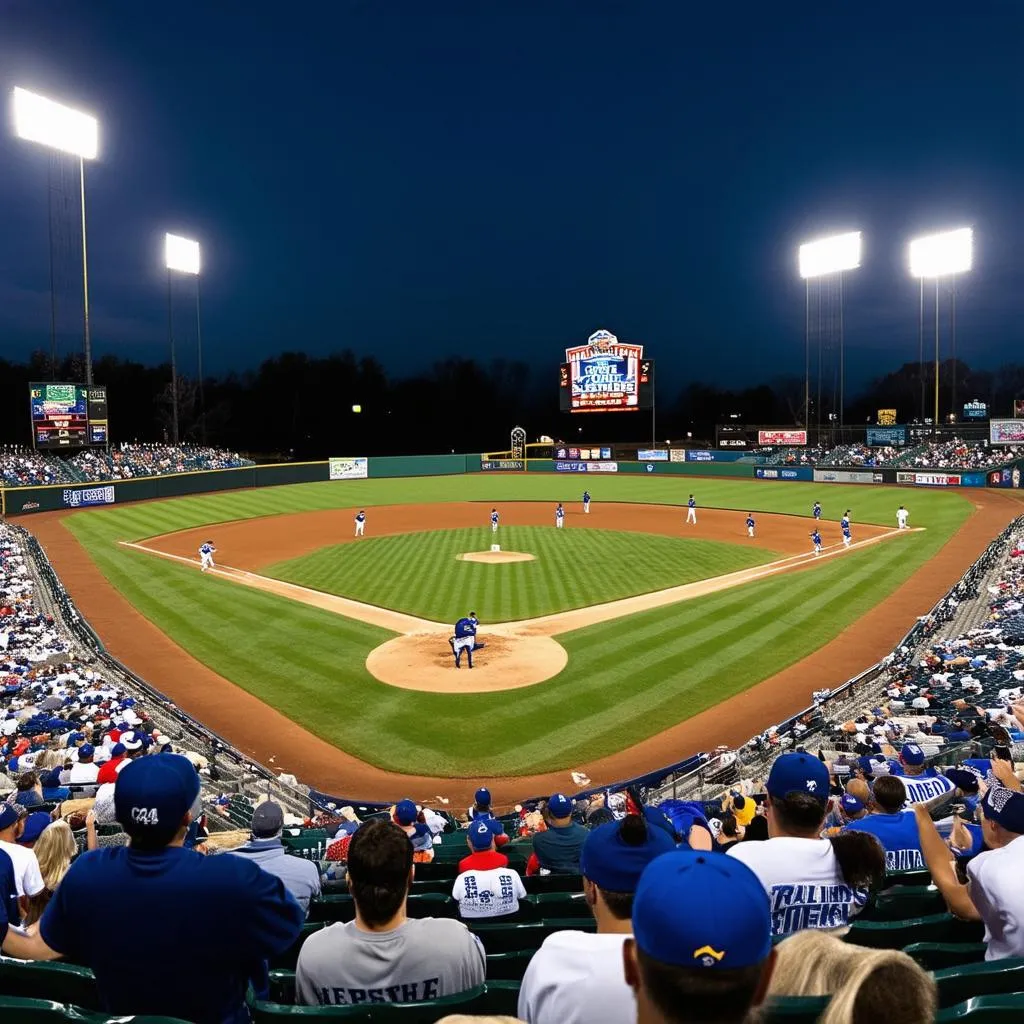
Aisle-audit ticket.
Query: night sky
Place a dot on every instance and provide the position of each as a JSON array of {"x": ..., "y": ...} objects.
[{"x": 500, "y": 178}]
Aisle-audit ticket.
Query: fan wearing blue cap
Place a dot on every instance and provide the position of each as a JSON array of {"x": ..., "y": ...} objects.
[
  {"x": 557, "y": 849},
  {"x": 196, "y": 974},
  {"x": 895, "y": 829},
  {"x": 486, "y": 886},
  {"x": 702, "y": 940},
  {"x": 812, "y": 882},
  {"x": 84, "y": 770},
  {"x": 575, "y": 975}
]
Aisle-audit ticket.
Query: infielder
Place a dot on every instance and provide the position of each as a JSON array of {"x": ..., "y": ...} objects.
[
  {"x": 586, "y": 501},
  {"x": 691, "y": 511},
  {"x": 206, "y": 556},
  {"x": 464, "y": 639},
  {"x": 816, "y": 511},
  {"x": 750, "y": 524},
  {"x": 494, "y": 520},
  {"x": 360, "y": 522},
  {"x": 844, "y": 525},
  {"x": 816, "y": 541},
  {"x": 559, "y": 516},
  {"x": 902, "y": 515}
]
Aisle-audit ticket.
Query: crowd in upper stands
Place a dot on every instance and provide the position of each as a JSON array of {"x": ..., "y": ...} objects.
[
  {"x": 22, "y": 467},
  {"x": 952, "y": 454}
]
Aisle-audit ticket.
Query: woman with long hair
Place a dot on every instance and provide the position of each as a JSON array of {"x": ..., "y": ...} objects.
[{"x": 54, "y": 849}]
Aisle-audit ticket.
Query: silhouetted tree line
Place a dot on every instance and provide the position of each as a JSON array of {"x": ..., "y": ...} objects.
[{"x": 301, "y": 407}]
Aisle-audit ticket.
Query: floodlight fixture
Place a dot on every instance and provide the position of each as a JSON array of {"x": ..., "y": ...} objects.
[
  {"x": 830, "y": 255},
  {"x": 52, "y": 124},
  {"x": 942, "y": 254},
  {"x": 181, "y": 254}
]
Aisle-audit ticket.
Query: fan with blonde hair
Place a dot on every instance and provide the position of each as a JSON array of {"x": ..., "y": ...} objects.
[{"x": 54, "y": 849}]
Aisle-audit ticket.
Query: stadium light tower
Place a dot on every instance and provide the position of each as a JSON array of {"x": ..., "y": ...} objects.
[
  {"x": 945, "y": 254},
  {"x": 823, "y": 258},
  {"x": 182, "y": 255},
  {"x": 37, "y": 119}
]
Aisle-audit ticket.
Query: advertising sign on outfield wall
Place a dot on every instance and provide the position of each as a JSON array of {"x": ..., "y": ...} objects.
[
  {"x": 348, "y": 469},
  {"x": 1008, "y": 476},
  {"x": 652, "y": 455},
  {"x": 1006, "y": 431},
  {"x": 698, "y": 455},
  {"x": 89, "y": 496},
  {"x": 846, "y": 476},
  {"x": 929, "y": 479},
  {"x": 781, "y": 437},
  {"x": 498, "y": 465},
  {"x": 781, "y": 473},
  {"x": 677, "y": 455},
  {"x": 586, "y": 467}
]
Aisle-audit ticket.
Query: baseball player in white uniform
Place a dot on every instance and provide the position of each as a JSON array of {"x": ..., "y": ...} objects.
[
  {"x": 360, "y": 522},
  {"x": 206, "y": 556},
  {"x": 691, "y": 510},
  {"x": 494, "y": 520},
  {"x": 559, "y": 516},
  {"x": 902, "y": 515}
]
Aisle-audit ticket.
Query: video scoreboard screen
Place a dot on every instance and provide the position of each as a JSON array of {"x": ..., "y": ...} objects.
[
  {"x": 68, "y": 415},
  {"x": 606, "y": 375}
]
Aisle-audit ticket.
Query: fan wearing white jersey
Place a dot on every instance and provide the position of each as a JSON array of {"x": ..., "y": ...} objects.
[
  {"x": 811, "y": 882},
  {"x": 577, "y": 976},
  {"x": 486, "y": 885}
]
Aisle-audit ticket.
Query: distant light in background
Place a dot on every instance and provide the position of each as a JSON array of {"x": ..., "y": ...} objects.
[
  {"x": 181, "y": 254},
  {"x": 357, "y": 408},
  {"x": 830, "y": 255},
  {"x": 52, "y": 124},
  {"x": 942, "y": 254}
]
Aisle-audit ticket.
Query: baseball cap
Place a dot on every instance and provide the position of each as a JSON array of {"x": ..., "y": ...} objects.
[
  {"x": 798, "y": 773},
  {"x": 153, "y": 795},
  {"x": 727, "y": 924},
  {"x": 86, "y": 750},
  {"x": 33, "y": 827},
  {"x": 613, "y": 864},
  {"x": 8, "y": 816},
  {"x": 963, "y": 778},
  {"x": 912, "y": 754},
  {"x": 850, "y": 804},
  {"x": 131, "y": 740},
  {"x": 50, "y": 779},
  {"x": 560, "y": 806},
  {"x": 75, "y": 737},
  {"x": 267, "y": 819},
  {"x": 405, "y": 812},
  {"x": 117, "y": 750},
  {"x": 1005, "y": 807},
  {"x": 481, "y": 835},
  {"x": 483, "y": 796}
]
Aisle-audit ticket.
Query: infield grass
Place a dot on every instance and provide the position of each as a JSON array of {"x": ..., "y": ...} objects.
[{"x": 626, "y": 680}]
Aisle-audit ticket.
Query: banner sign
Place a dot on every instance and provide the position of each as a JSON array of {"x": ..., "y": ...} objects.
[
  {"x": 846, "y": 476},
  {"x": 1018, "y": 408},
  {"x": 781, "y": 437},
  {"x": 496, "y": 465},
  {"x": 586, "y": 467},
  {"x": 773, "y": 473},
  {"x": 929, "y": 479},
  {"x": 89, "y": 496},
  {"x": 348, "y": 469},
  {"x": 886, "y": 437},
  {"x": 886, "y": 417},
  {"x": 1008, "y": 476},
  {"x": 1006, "y": 431},
  {"x": 582, "y": 454},
  {"x": 732, "y": 442},
  {"x": 975, "y": 410},
  {"x": 652, "y": 455},
  {"x": 697, "y": 455},
  {"x": 677, "y": 455},
  {"x": 602, "y": 467},
  {"x": 606, "y": 375}
]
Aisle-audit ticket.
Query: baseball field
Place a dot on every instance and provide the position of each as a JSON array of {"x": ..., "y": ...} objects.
[{"x": 621, "y": 643}]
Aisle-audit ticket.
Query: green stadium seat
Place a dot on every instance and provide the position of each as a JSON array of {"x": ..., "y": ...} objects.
[
  {"x": 64, "y": 983},
  {"x": 342, "y": 908},
  {"x": 905, "y": 901},
  {"x": 514, "y": 938},
  {"x": 936, "y": 956},
  {"x": 282, "y": 987},
  {"x": 897, "y": 934},
  {"x": 561, "y": 904},
  {"x": 508, "y": 966},
  {"x": 919, "y": 876},
  {"x": 793, "y": 1010},
  {"x": 19, "y": 1010},
  {"x": 435, "y": 872},
  {"x": 537, "y": 884},
  {"x": 989, "y": 978},
  {"x": 290, "y": 956},
  {"x": 1002, "y": 1009}
]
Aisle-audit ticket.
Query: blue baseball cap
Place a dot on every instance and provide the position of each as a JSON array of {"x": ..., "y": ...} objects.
[
  {"x": 560, "y": 806},
  {"x": 405, "y": 812},
  {"x": 850, "y": 804},
  {"x": 153, "y": 795},
  {"x": 963, "y": 778},
  {"x": 483, "y": 796},
  {"x": 117, "y": 750},
  {"x": 33, "y": 826},
  {"x": 481, "y": 835},
  {"x": 76, "y": 737},
  {"x": 912, "y": 754},
  {"x": 615, "y": 865},
  {"x": 1005, "y": 807},
  {"x": 86, "y": 750},
  {"x": 726, "y": 923},
  {"x": 798, "y": 773},
  {"x": 50, "y": 779},
  {"x": 8, "y": 816}
]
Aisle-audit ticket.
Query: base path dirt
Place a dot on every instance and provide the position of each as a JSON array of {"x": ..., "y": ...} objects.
[{"x": 265, "y": 734}]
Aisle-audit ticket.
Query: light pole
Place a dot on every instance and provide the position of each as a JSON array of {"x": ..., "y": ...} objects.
[
  {"x": 819, "y": 259},
  {"x": 51, "y": 124},
  {"x": 183, "y": 255},
  {"x": 936, "y": 256}
]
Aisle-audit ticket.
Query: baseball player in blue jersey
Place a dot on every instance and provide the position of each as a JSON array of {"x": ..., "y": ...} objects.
[
  {"x": 206, "y": 556},
  {"x": 360, "y": 522},
  {"x": 691, "y": 510},
  {"x": 816, "y": 541},
  {"x": 845, "y": 526},
  {"x": 559, "y": 516},
  {"x": 494, "y": 520},
  {"x": 816, "y": 511},
  {"x": 586, "y": 501},
  {"x": 750, "y": 524},
  {"x": 464, "y": 639}
]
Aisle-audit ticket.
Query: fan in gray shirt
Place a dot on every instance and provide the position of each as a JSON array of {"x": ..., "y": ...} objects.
[{"x": 382, "y": 956}]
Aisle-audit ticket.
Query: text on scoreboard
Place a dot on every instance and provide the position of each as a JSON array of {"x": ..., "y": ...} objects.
[
  {"x": 68, "y": 415},
  {"x": 606, "y": 375}
]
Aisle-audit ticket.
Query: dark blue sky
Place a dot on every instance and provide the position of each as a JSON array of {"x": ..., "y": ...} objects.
[{"x": 494, "y": 178}]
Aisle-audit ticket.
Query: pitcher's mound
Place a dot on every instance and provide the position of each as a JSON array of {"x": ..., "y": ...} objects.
[
  {"x": 424, "y": 661},
  {"x": 495, "y": 557}
]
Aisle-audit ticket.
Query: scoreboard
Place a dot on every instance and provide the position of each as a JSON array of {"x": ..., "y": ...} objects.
[
  {"x": 68, "y": 416},
  {"x": 606, "y": 375}
]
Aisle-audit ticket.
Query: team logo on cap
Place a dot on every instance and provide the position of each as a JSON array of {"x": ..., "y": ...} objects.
[
  {"x": 811, "y": 785},
  {"x": 708, "y": 956}
]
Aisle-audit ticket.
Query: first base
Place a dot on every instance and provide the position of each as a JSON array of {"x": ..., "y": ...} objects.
[{"x": 495, "y": 547}]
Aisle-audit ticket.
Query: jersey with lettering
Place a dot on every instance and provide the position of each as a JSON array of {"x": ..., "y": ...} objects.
[
  {"x": 804, "y": 883},
  {"x": 428, "y": 958},
  {"x": 922, "y": 790},
  {"x": 899, "y": 838},
  {"x": 465, "y": 627},
  {"x": 491, "y": 892}
]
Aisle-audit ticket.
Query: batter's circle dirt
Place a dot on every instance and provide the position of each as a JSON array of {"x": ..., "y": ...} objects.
[
  {"x": 424, "y": 661},
  {"x": 495, "y": 557}
]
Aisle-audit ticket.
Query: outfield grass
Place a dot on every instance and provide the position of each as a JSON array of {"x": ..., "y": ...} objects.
[
  {"x": 626, "y": 680},
  {"x": 419, "y": 573}
]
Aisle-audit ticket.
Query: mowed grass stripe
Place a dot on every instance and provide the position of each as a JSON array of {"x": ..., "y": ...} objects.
[{"x": 420, "y": 573}]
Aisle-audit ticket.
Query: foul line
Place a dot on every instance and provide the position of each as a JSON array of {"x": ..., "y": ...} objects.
[{"x": 545, "y": 625}]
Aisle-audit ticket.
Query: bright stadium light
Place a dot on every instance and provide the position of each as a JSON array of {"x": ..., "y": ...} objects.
[
  {"x": 181, "y": 254},
  {"x": 51, "y": 124},
  {"x": 830, "y": 255},
  {"x": 941, "y": 255}
]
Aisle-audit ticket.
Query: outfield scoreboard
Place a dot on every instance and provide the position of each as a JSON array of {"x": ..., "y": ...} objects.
[
  {"x": 606, "y": 375},
  {"x": 68, "y": 416}
]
